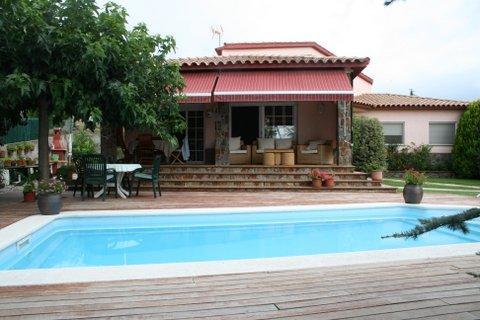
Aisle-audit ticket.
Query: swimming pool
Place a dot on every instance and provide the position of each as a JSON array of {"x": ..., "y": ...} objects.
[{"x": 83, "y": 240}]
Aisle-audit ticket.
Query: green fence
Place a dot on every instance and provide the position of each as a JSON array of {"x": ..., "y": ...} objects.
[{"x": 22, "y": 133}]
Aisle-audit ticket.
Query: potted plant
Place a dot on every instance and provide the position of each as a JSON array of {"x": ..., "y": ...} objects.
[
  {"x": 316, "y": 176},
  {"x": 20, "y": 147},
  {"x": 28, "y": 147},
  {"x": 321, "y": 179},
  {"x": 7, "y": 162},
  {"x": 50, "y": 196},
  {"x": 54, "y": 157},
  {"x": 413, "y": 190},
  {"x": 328, "y": 180},
  {"x": 29, "y": 191},
  {"x": 29, "y": 161},
  {"x": 11, "y": 148},
  {"x": 376, "y": 171},
  {"x": 21, "y": 161}
]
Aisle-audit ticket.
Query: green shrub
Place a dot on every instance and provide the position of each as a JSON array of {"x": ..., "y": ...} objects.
[
  {"x": 409, "y": 157},
  {"x": 466, "y": 149},
  {"x": 82, "y": 142},
  {"x": 414, "y": 177},
  {"x": 368, "y": 144}
]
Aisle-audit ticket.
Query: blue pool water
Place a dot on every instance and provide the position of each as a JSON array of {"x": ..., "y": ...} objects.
[{"x": 128, "y": 240}]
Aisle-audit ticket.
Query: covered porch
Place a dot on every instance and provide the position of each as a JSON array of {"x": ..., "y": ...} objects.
[{"x": 269, "y": 117}]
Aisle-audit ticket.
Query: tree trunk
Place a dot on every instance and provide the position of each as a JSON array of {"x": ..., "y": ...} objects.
[
  {"x": 43, "y": 148},
  {"x": 108, "y": 142}
]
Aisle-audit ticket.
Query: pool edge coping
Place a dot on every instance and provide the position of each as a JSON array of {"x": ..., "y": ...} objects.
[{"x": 22, "y": 228}]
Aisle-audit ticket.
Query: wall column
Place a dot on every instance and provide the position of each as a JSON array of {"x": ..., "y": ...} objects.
[
  {"x": 344, "y": 133},
  {"x": 222, "y": 123}
]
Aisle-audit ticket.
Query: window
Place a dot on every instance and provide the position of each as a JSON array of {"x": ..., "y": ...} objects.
[
  {"x": 441, "y": 133},
  {"x": 279, "y": 122},
  {"x": 393, "y": 132}
]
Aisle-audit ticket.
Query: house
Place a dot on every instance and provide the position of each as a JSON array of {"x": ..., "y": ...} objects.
[
  {"x": 412, "y": 119},
  {"x": 253, "y": 97}
]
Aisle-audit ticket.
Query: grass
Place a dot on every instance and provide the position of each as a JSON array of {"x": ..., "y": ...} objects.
[{"x": 466, "y": 187}]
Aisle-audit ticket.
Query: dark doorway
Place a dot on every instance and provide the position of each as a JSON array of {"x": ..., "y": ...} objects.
[{"x": 245, "y": 123}]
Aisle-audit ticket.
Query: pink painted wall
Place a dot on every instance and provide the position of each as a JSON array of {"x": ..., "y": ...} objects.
[
  {"x": 314, "y": 123},
  {"x": 416, "y": 123},
  {"x": 361, "y": 86}
]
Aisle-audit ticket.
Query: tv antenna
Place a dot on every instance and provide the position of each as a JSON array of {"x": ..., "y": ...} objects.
[{"x": 217, "y": 31}]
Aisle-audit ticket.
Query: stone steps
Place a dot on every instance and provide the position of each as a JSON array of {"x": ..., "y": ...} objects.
[
  {"x": 281, "y": 188},
  {"x": 258, "y": 177},
  {"x": 265, "y": 183}
]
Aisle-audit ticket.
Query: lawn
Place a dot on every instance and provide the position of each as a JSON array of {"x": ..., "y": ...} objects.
[{"x": 467, "y": 187}]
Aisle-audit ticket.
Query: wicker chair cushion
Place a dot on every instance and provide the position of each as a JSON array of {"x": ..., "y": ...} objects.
[{"x": 235, "y": 143}]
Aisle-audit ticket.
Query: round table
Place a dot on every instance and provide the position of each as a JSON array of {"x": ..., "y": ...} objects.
[{"x": 121, "y": 169}]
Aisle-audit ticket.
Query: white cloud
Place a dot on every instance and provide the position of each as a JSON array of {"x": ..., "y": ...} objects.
[{"x": 428, "y": 45}]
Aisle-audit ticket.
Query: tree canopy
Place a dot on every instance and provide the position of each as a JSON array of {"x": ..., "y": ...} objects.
[{"x": 80, "y": 61}]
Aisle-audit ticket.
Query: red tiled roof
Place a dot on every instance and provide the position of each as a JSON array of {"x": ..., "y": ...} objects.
[
  {"x": 287, "y": 44},
  {"x": 263, "y": 45},
  {"x": 283, "y": 85},
  {"x": 399, "y": 102},
  {"x": 266, "y": 59}
]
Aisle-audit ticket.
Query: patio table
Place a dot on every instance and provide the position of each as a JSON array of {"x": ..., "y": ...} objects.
[{"x": 121, "y": 169}]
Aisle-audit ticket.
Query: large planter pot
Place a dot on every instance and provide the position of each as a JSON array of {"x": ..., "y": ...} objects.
[
  {"x": 329, "y": 183},
  {"x": 376, "y": 175},
  {"x": 412, "y": 193},
  {"x": 29, "y": 197},
  {"x": 317, "y": 183},
  {"x": 50, "y": 203}
]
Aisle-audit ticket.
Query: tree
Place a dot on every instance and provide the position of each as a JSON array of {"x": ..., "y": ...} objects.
[
  {"x": 369, "y": 151},
  {"x": 67, "y": 58},
  {"x": 466, "y": 149}
]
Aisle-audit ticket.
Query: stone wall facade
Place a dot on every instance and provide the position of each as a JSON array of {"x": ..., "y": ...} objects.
[
  {"x": 344, "y": 133},
  {"x": 222, "y": 130}
]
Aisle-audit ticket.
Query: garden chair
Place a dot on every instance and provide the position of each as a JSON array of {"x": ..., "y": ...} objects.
[
  {"x": 151, "y": 176},
  {"x": 96, "y": 173},
  {"x": 78, "y": 164}
]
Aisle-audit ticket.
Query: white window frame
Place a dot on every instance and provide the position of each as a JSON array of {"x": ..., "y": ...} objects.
[
  {"x": 403, "y": 131},
  {"x": 442, "y": 122},
  {"x": 261, "y": 115}
]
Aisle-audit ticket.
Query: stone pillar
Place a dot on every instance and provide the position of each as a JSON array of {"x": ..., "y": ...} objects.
[
  {"x": 222, "y": 123},
  {"x": 344, "y": 133}
]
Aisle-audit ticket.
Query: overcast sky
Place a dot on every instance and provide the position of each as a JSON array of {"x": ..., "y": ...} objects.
[{"x": 431, "y": 46}]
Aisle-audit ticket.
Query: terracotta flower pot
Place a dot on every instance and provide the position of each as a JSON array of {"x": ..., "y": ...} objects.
[
  {"x": 29, "y": 197},
  {"x": 49, "y": 203},
  {"x": 317, "y": 183},
  {"x": 329, "y": 183},
  {"x": 377, "y": 175},
  {"x": 412, "y": 193}
]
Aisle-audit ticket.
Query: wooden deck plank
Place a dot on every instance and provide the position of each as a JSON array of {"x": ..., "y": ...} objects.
[{"x": 429, "y": 289}]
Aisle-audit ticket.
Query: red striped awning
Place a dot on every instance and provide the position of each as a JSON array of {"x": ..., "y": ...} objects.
[
  {"x": 198, "y": 86},
  {"x": 289, "y": 85}
]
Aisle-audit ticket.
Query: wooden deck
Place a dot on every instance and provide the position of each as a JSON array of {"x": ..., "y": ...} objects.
[{"x": 436, "y": 289}]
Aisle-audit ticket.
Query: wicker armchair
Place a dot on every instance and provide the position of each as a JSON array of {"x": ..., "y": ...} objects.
[
  {"x": 242, "y": 156},
  {"x": 322, "y": 155}
]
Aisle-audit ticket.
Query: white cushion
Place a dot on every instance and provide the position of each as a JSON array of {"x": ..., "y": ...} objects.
[
  {"x": 313, "y": 145},
  {"x": 260, "y": 151},
  {"x": 266, "y": 143},
  {"x": 234, "y": 143},
  {"x": 238, "y": 151},
  {"x": 283, "y": 144},
  {"x": 308, "y": 151}
]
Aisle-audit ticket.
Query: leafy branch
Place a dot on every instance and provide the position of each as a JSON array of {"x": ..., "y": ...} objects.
[{"x": 454, "y": 222}]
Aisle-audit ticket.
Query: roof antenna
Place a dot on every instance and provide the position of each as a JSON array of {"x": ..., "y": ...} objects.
[
  {"x": 217, "y": 31},
  {"x": 412, "y": 93}
]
